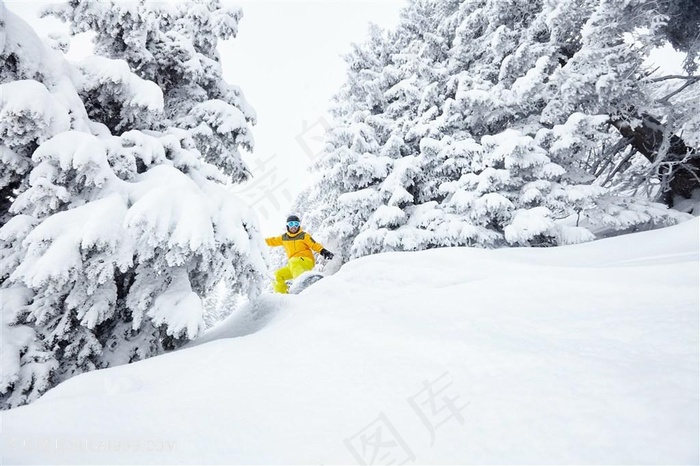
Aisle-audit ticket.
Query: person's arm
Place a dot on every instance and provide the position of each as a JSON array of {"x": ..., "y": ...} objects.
[
  {"x": 274, "y": 241},
  {"x": 311, "y": 243}
]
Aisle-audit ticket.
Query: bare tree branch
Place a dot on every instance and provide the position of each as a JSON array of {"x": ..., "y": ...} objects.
[
  {"x": 674, "y": 76},
  {"x": 619, "y": 166},
  {"x": 690, "y": 82},
  {"x": 649, "y": 137}
]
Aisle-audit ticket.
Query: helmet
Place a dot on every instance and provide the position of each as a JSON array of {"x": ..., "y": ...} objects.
[{"x": 293, "y": 222}]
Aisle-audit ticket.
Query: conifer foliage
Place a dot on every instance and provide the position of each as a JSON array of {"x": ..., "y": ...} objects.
[
  {"x": 117, "y": 220},
  {"x": 492, "y": 123}
]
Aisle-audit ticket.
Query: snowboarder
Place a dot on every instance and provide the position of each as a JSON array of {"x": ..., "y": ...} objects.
[{"x": 299, "y": 246}]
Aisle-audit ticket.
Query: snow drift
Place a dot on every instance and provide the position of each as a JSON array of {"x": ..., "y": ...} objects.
[{"x": 578, "y": 354}]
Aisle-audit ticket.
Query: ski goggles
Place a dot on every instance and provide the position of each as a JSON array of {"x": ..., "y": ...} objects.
[{"x": 293, "y": 224}]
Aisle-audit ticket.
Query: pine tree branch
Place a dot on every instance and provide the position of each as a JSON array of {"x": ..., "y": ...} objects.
[
  {"x": 619, "y": 167},
  {"x": 649, "y": 139},
  {"x": 674, "y": 76},
  {"x": 690, "y": 82}
]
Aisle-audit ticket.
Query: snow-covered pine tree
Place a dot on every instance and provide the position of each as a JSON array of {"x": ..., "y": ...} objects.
[
  {"x": 608, "y": 80},
  {"x": 122, "y": 225},
  {"x": 174, "y": 46},
  {"x": 27, "y": 67},
  {"x": 376, "y": 127},
  {"x": 37, "y": 101},
  {"x": 518, "y": 102},
  {"x": 351, "y": 164}
]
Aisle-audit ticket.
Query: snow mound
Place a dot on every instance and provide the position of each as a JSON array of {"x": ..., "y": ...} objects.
[{"x": 581, "y": 354}]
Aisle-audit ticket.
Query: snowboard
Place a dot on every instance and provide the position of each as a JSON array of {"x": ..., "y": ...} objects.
[{"x": 304, "y": 281}]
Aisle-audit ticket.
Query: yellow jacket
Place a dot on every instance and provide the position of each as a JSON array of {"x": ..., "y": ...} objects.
[{"x": 299, "y": 244}]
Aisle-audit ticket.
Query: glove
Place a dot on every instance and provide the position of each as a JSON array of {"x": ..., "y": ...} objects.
[{"x": 326, "y": 254}]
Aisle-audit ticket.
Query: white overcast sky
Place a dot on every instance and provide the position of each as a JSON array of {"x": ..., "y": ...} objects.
[{"x": 287, "y": 60}]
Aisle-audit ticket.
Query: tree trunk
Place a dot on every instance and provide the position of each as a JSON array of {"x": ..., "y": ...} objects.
[{"x": 684, "y": 161}]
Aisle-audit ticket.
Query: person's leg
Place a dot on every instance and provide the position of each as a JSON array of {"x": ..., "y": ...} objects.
[
  {"x": 281, "y": 276},
  {"x": 299, "y": 265}
]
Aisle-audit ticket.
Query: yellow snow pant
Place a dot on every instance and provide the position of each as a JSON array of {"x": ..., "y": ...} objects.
[{"x": 295, "y": 267}]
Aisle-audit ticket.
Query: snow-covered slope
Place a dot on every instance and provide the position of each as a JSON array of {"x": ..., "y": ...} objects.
[{"x": 579, "y": 354}]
